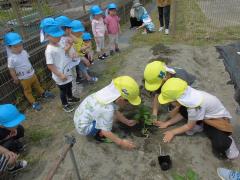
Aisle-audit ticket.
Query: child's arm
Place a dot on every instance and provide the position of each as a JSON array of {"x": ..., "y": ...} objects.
[
  {"x": 164, "y": 124},
  {"x": 120, "y": 117},
  {"x": 54, "y": 70},
  {"x": 155, "y": 107},
  {"x": 140, "y": 27},
  {"x": 13, "y": 75},
  {"x": 121, "y": 142},
  {"x": 169, "y": 135}
]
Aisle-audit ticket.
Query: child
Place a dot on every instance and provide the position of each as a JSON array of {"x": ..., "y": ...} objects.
[
  {"x": 66, "y": 41},
  {"x": 88, "y": 53},
  {"x": 59, "y": 65},
  {"x": 156, "y": 74},
  {"x": 45, "y": 22},
  {"x": 113, "y": 27},
  {"x": 10, "y": 132},
  {"x": 147, "y": 24},
  {"x": 99, "y": 30},
  {"x": 94, "y": 117},
  {"x": 199, "y": 106},
  {"x": 79, "y": 46},
  {"x": 21, "y": 69}
]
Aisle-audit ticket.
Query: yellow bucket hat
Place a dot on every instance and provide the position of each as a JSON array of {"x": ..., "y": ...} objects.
[
  {"x": 172, "y": 89},
  {"x": 154, "y": 74},
  {"x": 128, "y": 89}
]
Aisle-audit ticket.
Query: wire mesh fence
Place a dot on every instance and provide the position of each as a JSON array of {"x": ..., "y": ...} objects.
[
  {"x": 206, "y": 19},
  {"x": 29, "y": 29}
]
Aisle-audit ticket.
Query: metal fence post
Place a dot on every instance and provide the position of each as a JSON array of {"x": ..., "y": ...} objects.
[
  {"x": 174, "y": 17},
  {"x": 84, "y": 6},
  {"x": 71, "y": 141},
  {"x": 17, "y": 10}
]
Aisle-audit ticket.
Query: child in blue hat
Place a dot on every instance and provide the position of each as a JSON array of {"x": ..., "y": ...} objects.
[
  {"x": 99, "y": 30},
  {"x": 88, "y": 53},
  {"x": 113, "y": 27},
  {"x": 148, "y": 25},
  {"x": 80, "y": 47},
  {"x": 60, "y": 65},
  {"x": 11, "y": 131},
  {"x": 21, "y": 69}
]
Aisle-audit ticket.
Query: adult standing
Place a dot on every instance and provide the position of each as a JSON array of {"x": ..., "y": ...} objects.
[
  {"x": 164, "y": 7},
  {"x": 136, "y": 13}
]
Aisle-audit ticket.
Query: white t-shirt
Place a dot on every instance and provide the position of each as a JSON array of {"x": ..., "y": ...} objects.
[
  {"x": 56, "y": 55},
  {"x": 92, "y": 110},
  {"x": 21, "y": 64},
  {"x": 211, "y": 107}
]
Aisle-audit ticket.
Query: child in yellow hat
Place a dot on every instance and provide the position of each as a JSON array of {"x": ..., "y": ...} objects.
[{"x": 200, "y": 106}]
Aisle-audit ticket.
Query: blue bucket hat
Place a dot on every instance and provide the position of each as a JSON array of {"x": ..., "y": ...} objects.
[
  {"x": 95, "y": 10},
  {"x": 47, "y": 22},
  {"x": 86, "y": 36},
  {"x": 10, "y": 116},
  {"x": 54, "y": 31},
  {"x": 12, "y": 38},
  {"x": 77, "y": 26},
  {"x": 112, "y": 6},
  {"x": 63, "y": 21}
]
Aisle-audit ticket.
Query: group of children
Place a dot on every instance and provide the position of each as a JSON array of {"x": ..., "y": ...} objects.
[
  {"x": 172, "y": 86},
  {"x": 68, "y": 47}
]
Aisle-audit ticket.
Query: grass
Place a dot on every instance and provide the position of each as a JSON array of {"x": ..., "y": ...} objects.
[
  {"x": 192, "y": 27},
  {"x": 37, "y": 135}
]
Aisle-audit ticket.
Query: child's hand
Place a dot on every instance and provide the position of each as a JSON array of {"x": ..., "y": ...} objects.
[
  {"x": 160, "y": 124},
  {"x": 63, "y": 77},
  {"x": 126, "y": 144},
  {"x": 131, "y": 123},
  {"x": 168, "y": 136},
  {"x": 16, "y": 81}
]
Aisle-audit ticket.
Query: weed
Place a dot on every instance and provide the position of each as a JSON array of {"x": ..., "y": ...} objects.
[
  {"x": 190, "y": 175},
  {"x": 37, "y": 135}
]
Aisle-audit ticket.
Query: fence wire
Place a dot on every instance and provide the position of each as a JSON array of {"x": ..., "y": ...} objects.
[{"x": 206, "y": 19}]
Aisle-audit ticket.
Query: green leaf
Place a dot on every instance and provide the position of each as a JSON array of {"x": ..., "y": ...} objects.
[
  {"x": 192, "y": 175},
  {"x": 136, "y": 117},
  {"x": 178, "y": 177},
  {"x": 148, "y": 122}
]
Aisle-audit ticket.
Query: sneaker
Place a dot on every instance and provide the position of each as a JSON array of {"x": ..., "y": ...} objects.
[
  {"x": 36, "y": 106},
  {"x": 166, "y": 31},
  {"x": 160, "y": 29},
  {"x": 117, "y": 50},
  {"x": 227, "y": 174},
  {"x": 48, "y": 95},
  {"x": 111, "y": 53},
  {"x": 93, "y": 80},
  {"x": 73, "y": 100},
  {"x": 101, "y": 57},
  {"x": 196, "y": 129},
  {"x": 68, "y": 108},
  {"x": 105, "y": 55},
  {"x": 233, "y": 151},
  {"x": 19, "y": 166}
]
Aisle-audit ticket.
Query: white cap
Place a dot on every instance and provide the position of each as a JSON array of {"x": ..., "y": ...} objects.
[
  {"x": 108, "y": 94},
  {"x": 170, "y": 70},
  {"x": 191, "y": 98}
]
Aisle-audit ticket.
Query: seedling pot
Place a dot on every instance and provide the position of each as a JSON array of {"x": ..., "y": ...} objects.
[{"x": 165, "y": 162}]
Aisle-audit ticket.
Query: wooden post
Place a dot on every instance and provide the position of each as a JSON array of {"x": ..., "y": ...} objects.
[{"x": 18, "y": 16}]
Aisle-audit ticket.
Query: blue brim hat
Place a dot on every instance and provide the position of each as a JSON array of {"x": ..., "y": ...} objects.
[
  {"x": 10, "y": 116},
  {"x": 54, "y": 31},
  {"x": 78, "y": 29},
  {"x": 15, "y": 122}
]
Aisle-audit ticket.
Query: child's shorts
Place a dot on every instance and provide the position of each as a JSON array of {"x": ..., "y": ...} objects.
[
  {"x": 113, "y": 39},
  {"x": 93, "y": 131},
  {"x": 82, "y": 68},
  {"x": 100, "y": 43}
]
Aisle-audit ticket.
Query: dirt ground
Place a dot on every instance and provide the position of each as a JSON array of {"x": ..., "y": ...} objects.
[
  {"x": 220, "y": 12},
  {"x": 109, "y": 162}
]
